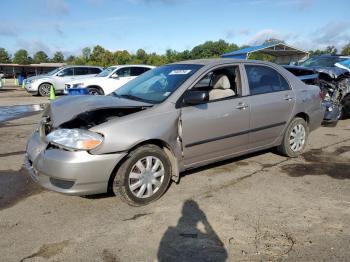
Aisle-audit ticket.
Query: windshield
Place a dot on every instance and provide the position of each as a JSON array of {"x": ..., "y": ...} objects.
[
  {"x": 54, "y": 71},
  {"x": 322, "y": 61},
  {"x": 157, "y": 84},
  {"x": 106, "y": 71}
]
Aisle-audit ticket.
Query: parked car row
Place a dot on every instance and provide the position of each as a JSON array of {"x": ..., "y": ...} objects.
[
  {"x": 170, "y": 119},
  {"x": 97, "y": 80},
  {"x": 109, "y": 79}
]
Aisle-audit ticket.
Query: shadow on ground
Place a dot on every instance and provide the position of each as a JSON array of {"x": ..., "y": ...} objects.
[
  {"x": 187, "y": 242},
  {"x": 15, "y": 186}
]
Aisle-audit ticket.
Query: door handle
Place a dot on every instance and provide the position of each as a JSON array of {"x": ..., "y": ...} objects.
[
  {"x": 288, "y": 98},
  {"x": 242, "y": 106}
]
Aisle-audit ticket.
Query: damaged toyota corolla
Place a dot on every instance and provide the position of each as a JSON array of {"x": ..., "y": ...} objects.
[{"x": 172, "y": 118}]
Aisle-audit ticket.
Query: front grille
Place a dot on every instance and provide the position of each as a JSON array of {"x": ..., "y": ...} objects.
[{"x": 64, "y": 184}]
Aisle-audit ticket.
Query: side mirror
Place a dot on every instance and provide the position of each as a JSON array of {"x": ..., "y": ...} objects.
[
  {"x": 115, "y": 76},
  {"x": 60, "y": 74},
  {"x": 195, "y": 97}
]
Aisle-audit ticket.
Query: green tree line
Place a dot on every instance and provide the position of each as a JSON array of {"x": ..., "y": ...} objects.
[{"x": 103, "y": 57}]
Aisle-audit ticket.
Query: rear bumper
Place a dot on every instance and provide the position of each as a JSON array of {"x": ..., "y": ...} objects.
[
  {"x": 332, "y": 112},
  {"x": 74, "y": 173},
  {"x": 316, "y": 119}
]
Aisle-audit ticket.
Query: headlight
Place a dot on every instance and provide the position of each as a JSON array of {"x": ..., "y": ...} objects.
[
  {"x": 78, "y": 139},
  {"x": 28, "y": 81}
]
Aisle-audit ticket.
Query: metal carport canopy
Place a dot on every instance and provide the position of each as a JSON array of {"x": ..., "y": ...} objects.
[{"x": 283, "y": 53}]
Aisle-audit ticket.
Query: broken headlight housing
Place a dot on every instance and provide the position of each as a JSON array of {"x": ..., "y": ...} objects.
[{"x": 75, "y": 139}]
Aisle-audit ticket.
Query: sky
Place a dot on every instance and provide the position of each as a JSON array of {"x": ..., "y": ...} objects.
[{"x": 157, "y": 25}]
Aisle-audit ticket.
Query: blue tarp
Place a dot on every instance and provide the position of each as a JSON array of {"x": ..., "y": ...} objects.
[{"x": 243, "y": 53}]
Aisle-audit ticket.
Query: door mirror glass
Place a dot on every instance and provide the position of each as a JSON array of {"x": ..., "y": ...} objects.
[
  {"x": 195, "y": 97},
  {"x": 115, "y": 76}
]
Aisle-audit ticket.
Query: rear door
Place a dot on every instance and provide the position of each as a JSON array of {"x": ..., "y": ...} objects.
[
  {"x": 218, "y": 128},
  {"x": 271, "y": 104}
]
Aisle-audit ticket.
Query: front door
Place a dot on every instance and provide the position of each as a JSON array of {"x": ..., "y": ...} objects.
[
  {"x": 220, "y": 127},
  {"x": 64, "y": 76}
]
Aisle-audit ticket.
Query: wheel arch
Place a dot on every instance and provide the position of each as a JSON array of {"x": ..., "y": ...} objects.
[
  {"x": 304, "y": 116},
  {"x": 97, "y": 87},
  {"x": 175, "y": 173}
]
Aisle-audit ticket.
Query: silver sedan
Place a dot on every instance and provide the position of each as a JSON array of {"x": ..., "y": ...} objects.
[{"x": 172, "y": 118}]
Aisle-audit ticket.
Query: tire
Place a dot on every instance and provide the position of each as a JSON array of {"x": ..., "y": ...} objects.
[
  {"x": 288, "y": 148},
  {"x": 142, "y": 189},
  {"x": 44, "y": 89},
  {"x": 343, "y": 113},
  {"x": 95, "y": 91}
]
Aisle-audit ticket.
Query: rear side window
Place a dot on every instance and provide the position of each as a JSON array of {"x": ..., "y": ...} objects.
[
  {"x": 263, "y": 79},
  {"x": 94, "y": 70},
  {"x": 81, "y": 71},
  {"x": 136, "y": 71}
]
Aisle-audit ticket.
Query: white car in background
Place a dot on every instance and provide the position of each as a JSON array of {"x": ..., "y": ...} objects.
[
  {"x": 41, "y": 84},
  {"x": 109, "y": 79}
]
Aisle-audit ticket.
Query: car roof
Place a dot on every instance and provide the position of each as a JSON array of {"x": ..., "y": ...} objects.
[
  {"x": 66, "y": 66},
  {"x": 220, "y": 61},
  {"x": 135, "y": 65}
]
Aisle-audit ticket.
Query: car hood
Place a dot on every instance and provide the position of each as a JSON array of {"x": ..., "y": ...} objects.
[
  {"x": 67, "y": 108},
  {"x": 37, "y": 77}
]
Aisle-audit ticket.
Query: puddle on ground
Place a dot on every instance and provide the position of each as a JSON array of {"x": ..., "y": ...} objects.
[
  {"x": 14, "y": 112},
  {"x": 320, "y": 162},
  {"x": 15, "y": 186}
]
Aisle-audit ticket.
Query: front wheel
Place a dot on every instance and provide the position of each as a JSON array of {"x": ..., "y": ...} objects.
[
  {"x": 294, "y": 139},
  {"x": 44, "y": 89},
  {"x": 143, "y": 177},
  {"x": 95, "y": 91}
]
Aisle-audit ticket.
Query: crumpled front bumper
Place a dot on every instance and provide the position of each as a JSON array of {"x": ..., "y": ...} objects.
[{"x": 74, "y": 173}]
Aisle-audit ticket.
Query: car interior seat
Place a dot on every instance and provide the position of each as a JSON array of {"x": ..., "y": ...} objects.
[{"x": 221, "y": 88}]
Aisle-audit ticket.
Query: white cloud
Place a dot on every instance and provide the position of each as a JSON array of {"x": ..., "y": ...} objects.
[
  {"x": 260, "y": 37},
  {"x": 33, "y": 46},
  {"x": 331, "y": 34},
  {"x": 232, "y": 33}
]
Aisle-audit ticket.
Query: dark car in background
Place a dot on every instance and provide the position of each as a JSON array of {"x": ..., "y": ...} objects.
[{"x": 331, "y": 74}]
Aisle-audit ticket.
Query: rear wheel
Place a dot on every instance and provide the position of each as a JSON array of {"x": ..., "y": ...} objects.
[
  {"x": 295, "y": 137},
  {"x": 143, "y": 177},
  {"x": 44, "y": 89}
]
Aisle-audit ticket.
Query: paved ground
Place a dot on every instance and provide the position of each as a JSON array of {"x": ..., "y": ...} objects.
[{"x": 261, "y": 207}]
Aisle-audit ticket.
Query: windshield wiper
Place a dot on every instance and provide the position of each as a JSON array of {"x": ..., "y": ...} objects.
[{"x": 136, "y": 98}]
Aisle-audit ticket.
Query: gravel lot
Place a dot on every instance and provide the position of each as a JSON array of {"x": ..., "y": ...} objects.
[{"x": 260, "y": 207}]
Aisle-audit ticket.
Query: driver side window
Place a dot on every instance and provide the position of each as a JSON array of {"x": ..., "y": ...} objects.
[
  {"x": 66, "y": 72},
  {"x": 221, "y": 83},
  {"x": 124, "y": 72}
]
